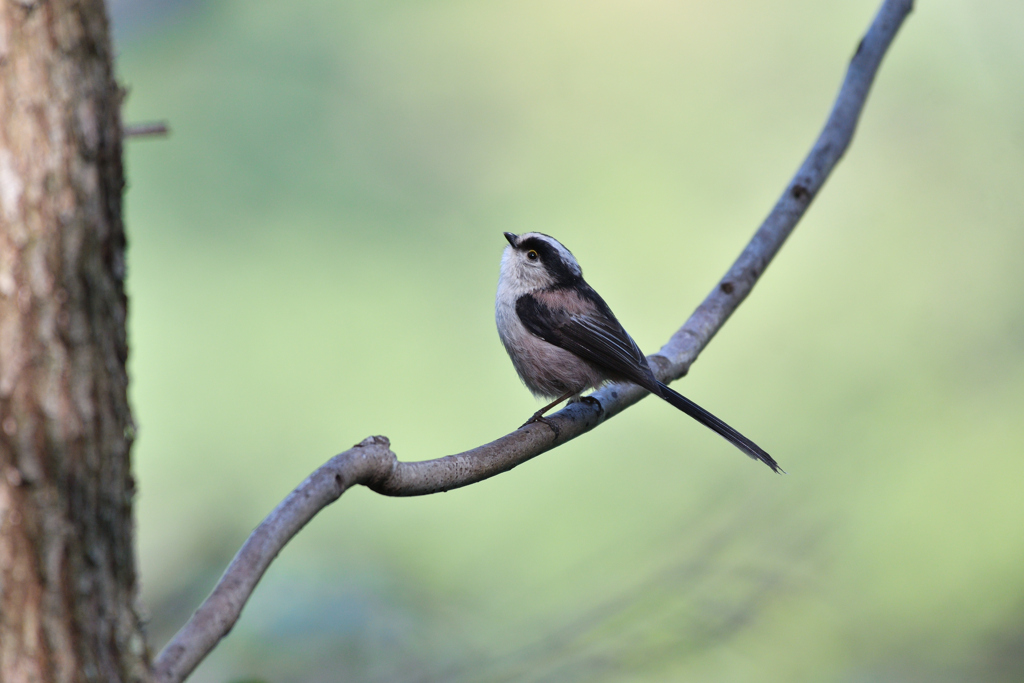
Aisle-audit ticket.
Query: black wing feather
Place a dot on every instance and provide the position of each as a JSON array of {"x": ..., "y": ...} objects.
[{"x": 597, "y": 338}]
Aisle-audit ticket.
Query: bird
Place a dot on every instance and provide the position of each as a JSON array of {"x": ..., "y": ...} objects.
[{"x": 563, "y": 339}]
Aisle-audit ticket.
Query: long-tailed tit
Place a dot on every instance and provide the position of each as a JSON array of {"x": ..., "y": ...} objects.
[{"x": 563, "y": 339}]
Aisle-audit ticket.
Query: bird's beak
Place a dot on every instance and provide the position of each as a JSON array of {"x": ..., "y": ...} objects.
[{"x": 511, "y": 237}]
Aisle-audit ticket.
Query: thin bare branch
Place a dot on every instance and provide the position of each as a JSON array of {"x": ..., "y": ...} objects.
[
  {"x": 145, "y": 130},
  {"x": 372, "y": 464}
]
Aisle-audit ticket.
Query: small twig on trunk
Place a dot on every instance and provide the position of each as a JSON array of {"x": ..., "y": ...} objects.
[
  {"x": 372, "y": 464},
  {"x": 145, "y": 130}
]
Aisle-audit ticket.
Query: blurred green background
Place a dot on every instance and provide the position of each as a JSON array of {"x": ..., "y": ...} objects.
[{"x": 313, "y": 258}]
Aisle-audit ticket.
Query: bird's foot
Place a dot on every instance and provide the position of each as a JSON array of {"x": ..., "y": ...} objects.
[
  {"x": 539, "y": 417},
  {"x": 592, "y": 401}
]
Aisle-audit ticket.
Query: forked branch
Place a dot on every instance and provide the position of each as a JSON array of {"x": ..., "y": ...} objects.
[{"x": 372, "y": 464}]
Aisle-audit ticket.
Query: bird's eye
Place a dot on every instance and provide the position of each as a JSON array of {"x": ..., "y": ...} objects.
[{"x": 532, "y": 255}]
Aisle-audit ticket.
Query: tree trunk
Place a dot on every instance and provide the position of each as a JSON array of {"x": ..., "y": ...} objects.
[{"x": 67, "y": 569}]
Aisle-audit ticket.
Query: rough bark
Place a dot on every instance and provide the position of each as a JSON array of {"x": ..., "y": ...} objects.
[{"x": 67, "y": 569}]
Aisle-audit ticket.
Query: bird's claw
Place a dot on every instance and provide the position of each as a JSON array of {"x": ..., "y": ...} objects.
[
  {"x": 540, "y": 418},
  {"x": 592, "y": 401}
]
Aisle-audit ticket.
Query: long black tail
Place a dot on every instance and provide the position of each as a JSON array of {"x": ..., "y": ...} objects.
[{"x": 708, "y": 420}]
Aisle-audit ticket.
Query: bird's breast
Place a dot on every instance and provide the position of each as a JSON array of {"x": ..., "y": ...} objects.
[{"x": 546, "y": 370}]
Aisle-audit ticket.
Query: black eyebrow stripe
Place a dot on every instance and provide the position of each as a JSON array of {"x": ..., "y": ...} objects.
[
  {"x": 552, "y": 259},
  {"x": 537, "y": 244}
]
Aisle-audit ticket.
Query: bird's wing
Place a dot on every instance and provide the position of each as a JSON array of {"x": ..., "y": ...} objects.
[{"x": 587, "y": 328}]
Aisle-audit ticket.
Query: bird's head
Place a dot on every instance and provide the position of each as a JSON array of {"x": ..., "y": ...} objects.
[{"x": 537, "y": 261}]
